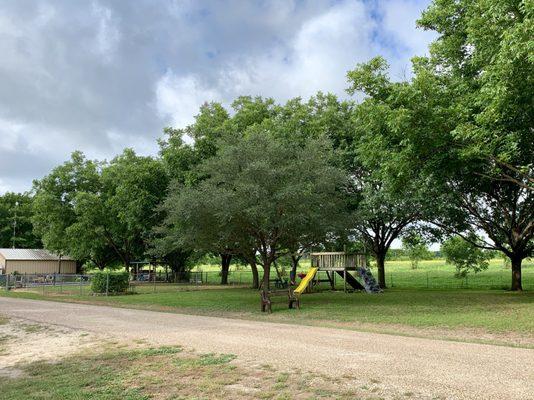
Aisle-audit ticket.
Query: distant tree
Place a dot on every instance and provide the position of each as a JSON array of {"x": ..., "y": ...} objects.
[
  {"x": 465, "y": 255},
  {"x": 415, "y": 247},
  {"x": 261, "y": 193},
  {"x": 16, "y": 209}
]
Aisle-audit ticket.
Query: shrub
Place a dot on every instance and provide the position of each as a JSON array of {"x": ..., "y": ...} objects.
[
  {"x": 465, "y": 256},
  {"x": 118, "y": 282}
]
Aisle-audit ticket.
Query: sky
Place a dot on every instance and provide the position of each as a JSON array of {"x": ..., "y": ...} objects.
[{"x": 99, "y": 76}]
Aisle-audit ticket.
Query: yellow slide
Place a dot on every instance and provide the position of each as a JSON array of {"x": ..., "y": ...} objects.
[{"x": 305, "y": 281}]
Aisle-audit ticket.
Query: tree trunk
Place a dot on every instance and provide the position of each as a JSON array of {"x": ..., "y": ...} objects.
[
  {"x": 255, "y": 275},
  {"x": 126, "y": 262},
  {"x": 380, "y": 262},
  {"x": 516, "y": 273},
  {"x": 294, "y": 266},
  {"x": 266, "y": 276},
  {"x": 225, "y": 266}
]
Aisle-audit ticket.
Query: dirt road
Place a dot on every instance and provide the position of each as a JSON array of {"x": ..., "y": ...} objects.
[{"x": 434, "y": 368}]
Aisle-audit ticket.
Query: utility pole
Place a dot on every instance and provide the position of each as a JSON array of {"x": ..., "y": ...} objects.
[{"x": 15, "y": 223}]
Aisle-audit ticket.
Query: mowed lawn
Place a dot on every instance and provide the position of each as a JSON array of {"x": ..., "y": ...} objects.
[
  {"x": 489, "y": 311},
  {"x": 430, "y": 274},
  {"x": 413, "y": 303}
]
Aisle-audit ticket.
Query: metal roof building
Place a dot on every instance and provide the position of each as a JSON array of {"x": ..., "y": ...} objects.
[{"x": 35, "y": 261}]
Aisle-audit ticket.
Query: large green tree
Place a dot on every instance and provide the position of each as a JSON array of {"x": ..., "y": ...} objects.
[
  {"x": 464, "y": 124},
  {"x": 258, "y": 192},
  {"x": 100, "y": 212},
  {"x": 384, "y": 202},
  {"x": 55, "y": 200},
  {"x": 123, "y": 211},
  {"x": 16, "y": 212},
  {"x": 481, "y": 69}
]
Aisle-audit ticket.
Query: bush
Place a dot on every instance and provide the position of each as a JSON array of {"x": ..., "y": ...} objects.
[
  {"x": 465, "y": 256},
  {"x": 118, "y": 282}
]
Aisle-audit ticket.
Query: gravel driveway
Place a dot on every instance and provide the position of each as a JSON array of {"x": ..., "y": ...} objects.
[{"x": 434, "y": 368}]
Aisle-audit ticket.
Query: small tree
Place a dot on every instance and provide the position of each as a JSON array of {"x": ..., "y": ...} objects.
[
  {"x": 465, "y": 256},
  {"x": 415, "y": 248}
]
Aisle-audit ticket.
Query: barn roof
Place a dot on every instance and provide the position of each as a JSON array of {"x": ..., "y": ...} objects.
[{"x": 30, "y": 254}]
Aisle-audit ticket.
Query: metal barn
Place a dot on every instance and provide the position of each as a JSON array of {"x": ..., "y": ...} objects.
[{"x": 35, "y": 261}]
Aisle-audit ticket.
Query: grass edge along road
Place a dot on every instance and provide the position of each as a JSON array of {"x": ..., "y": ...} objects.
[
  {"x": 495, "y": 317},
  {"x": 109, "y": 370}
]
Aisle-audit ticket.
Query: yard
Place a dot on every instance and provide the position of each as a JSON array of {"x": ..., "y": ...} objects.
[
  {"x": 88, "y": 366},
  {"x": 431, "y": 274},
  {"x": 65, "y": 350},
  {"x": 428, "y": 301},
  {"x": 481, "y": 315}
]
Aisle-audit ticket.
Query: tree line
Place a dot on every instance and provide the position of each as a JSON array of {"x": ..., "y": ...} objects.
[{"x": 446, "y": 154}]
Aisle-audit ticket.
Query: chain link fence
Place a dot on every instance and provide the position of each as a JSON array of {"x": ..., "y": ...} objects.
[{"x": 80, "y": 284}]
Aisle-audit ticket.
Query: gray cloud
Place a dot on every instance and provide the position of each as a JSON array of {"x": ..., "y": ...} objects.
[{"x": 99, "y": 76}]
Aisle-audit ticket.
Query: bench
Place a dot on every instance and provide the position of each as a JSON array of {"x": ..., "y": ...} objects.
[{"x": 266, "y": 298}]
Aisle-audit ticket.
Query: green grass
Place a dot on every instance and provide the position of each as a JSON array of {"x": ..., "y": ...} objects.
[
  {"x": 430, "y": 274},
  {"x": 163, "y": 373},
  {"x": 491, "y": 311},
  {"x": 412, "y": 302}
]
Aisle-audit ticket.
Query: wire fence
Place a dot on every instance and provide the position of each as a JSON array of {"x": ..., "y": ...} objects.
[{"x": 80, "y": 284}]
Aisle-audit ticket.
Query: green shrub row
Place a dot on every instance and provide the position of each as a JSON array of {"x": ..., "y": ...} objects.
[{"x": 118, "y": 282}]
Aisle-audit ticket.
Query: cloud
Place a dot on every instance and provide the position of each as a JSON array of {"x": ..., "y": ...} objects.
[
  {"x": 103, "y": 75},
  {"x": 108, "y": 35},
  {"x": 181, "y": 97}
]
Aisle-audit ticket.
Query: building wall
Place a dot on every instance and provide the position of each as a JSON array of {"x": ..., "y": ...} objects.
[
  {"x": 40, "y": 267},
  {"x": 2, "y": 264}
]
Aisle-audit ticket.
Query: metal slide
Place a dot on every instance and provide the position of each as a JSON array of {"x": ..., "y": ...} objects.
[{"x": 351, "y": 280}]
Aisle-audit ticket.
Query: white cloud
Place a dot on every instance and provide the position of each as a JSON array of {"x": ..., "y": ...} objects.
[
  {"x": 181, "y": 97},
  {"x": 403, "y": 40},
  {"x": 108, "y": 35},
  {"x": 106, "y": 75},
  {"x": 316, "y": 58}
]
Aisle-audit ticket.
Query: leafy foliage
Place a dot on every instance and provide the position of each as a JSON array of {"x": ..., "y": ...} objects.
[
  {"x": 259, "y": 194},
  {"x": 415, "y": 248},
  {"x": 17, "y": 207},
  {"x": 110, "y": 282},
  {"x": 465, "y": 256}
]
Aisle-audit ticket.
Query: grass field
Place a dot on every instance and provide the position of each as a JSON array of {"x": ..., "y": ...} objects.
[{"x": 431, "y": 274}]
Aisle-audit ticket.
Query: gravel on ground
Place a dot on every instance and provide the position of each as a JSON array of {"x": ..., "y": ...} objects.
[{"x": 435, "y": 368}]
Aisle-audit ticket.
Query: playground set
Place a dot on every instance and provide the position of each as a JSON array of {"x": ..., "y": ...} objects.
[{"x": 349, "y": 267}]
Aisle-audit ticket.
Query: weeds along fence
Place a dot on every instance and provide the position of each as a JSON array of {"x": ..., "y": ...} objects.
[
  {"x": 48, "y": 283},
  {"x": 81, "y": 284}
]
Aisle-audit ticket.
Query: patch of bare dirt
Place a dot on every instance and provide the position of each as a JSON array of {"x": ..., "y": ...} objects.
[{"x": 23, "y": 341}]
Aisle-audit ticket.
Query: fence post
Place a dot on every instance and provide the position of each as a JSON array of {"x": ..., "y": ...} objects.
[
  {"x": 107, "y": 283},
  {"x": 7, "y": 282},
  {"x": 81, "y": 287},
  {"x": 154, "y": 282}
]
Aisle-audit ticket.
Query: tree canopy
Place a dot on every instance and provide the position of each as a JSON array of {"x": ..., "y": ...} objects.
[{"x": 259, "y": 196}]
